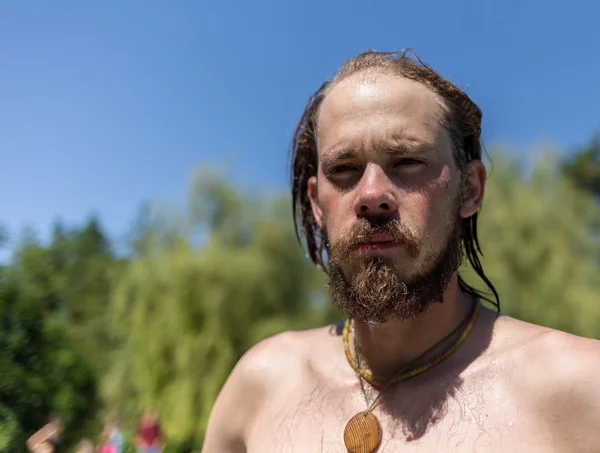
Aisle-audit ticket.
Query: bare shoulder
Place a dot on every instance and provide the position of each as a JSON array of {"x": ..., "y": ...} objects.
[
  {"x": 559, "y": 372},
  {"x": 286, "y": 354},
  {"x": 568, "y": 356},
  {"x": 300, "y": 342},
  {"x": 265, "y": 371}
]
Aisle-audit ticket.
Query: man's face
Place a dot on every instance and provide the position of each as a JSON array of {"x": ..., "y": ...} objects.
[{"x": 388, "y": 195}]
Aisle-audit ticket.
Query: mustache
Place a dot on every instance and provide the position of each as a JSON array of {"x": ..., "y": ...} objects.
[{"x": 365, "y": 229}]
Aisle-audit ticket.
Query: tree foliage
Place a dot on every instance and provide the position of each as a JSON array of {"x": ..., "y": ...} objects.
[
  {"x": 187, "y": 313},
  {"x": 582, "y": 167},
  {"x": 41, "y": 370},
  {"x": 537, "y": 235},
  {"x": 53, "y": 312},
  {"x": 71, "y": 278}
]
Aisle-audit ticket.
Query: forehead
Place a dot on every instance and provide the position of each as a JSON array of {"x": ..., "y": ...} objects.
[{"x": 360, "y": 111}]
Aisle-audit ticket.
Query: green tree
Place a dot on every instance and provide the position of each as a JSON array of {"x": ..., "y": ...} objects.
[
  {"x": 188, "y": 312},
  {"x": 537, "y": 234},
  {"x": 3, "y": 236},
  {"x": 71, "y": 278},
  {"x": 582, "y": 167},
  {"x": 67, "y": 285},
  {"x": 41, "y": 370}
]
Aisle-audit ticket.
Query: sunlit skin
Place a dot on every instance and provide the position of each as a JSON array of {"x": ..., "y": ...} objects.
[{"x": 511, "y": 387}]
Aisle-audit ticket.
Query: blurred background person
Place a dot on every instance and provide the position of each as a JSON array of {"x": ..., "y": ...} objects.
[
  {"x": 47, "y": 439},
  {"x": 148, "y": 434},
  {"x": 105, "y": 445},
  {"x": 115, "y": 436},
  {"x": 85, "y": 446}
]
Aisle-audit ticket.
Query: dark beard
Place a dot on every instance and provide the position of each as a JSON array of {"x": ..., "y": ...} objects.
[{"x": 375, "y": 292}]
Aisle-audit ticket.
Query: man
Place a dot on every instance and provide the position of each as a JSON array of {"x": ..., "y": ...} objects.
[{"x": 388, "y": 182}]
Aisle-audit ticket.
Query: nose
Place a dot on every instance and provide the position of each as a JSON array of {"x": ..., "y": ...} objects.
[{"x": 375, "y": 196}]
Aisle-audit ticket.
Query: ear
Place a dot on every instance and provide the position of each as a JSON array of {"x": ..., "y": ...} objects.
[
  {"x": 313, "y": 195},
  {"x": 475, "y": 186}
]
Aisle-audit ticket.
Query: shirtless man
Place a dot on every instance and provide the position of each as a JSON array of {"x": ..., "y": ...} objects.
[{"x": 388, "y": 180}]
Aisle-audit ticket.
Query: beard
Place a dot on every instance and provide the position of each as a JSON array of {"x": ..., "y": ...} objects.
[{"x": 376, "y": 289}]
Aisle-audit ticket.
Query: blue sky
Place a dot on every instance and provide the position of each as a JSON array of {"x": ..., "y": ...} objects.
[{"x": 106, "y": 104}]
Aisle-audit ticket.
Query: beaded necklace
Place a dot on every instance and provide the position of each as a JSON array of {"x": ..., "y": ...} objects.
[{"x": 363, "y": 431}]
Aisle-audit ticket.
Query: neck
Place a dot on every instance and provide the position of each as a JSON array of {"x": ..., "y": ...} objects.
[{"x": 388, "y": 347}]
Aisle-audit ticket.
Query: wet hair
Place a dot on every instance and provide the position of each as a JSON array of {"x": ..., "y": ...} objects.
[{"x": 462, "y": 120}]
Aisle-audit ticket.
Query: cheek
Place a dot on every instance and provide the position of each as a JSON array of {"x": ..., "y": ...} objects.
[
  {"x": 430, "y": 209},
  {"x": 337, "y": 216}
]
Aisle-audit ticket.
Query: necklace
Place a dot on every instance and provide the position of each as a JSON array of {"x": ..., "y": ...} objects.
[{"x": 363, "y": 431}]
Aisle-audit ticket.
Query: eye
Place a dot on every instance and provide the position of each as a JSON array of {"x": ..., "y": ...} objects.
[
  {"x": 408, "y": 162},
  {"x": 340, "y": 169}
]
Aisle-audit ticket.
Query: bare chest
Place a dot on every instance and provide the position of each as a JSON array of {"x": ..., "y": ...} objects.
[{"x": 435, "y": 417}]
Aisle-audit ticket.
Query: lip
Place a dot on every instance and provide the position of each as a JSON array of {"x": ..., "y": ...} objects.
[
  {"x": 377, "y": 243},
  {"x": 379, "y": 238},
  {"x": 377, "y": 246}
]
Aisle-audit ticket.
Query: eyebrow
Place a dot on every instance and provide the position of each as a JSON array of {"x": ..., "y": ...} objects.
[
  {"x": 393, "y": 146},
  {"x": 399, "y": 146}
]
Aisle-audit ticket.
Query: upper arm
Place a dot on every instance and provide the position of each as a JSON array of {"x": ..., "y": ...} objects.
[
  {"x": 586, "y": 391},
  {"x": 239, "y": 400},
  {"x": 225, "y": 428},
  {"x": 575, "y": 393}
]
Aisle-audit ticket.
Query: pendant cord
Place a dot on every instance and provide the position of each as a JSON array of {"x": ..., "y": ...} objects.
[
  {"x": 466, "y": 326},
  {"x": 360, "y": 379}
]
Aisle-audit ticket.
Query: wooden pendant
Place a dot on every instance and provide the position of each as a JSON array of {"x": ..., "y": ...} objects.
[{"x": 362, "y": 433}]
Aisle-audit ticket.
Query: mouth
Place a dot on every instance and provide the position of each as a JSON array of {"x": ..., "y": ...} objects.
[{"x": 377, "y": 243}]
